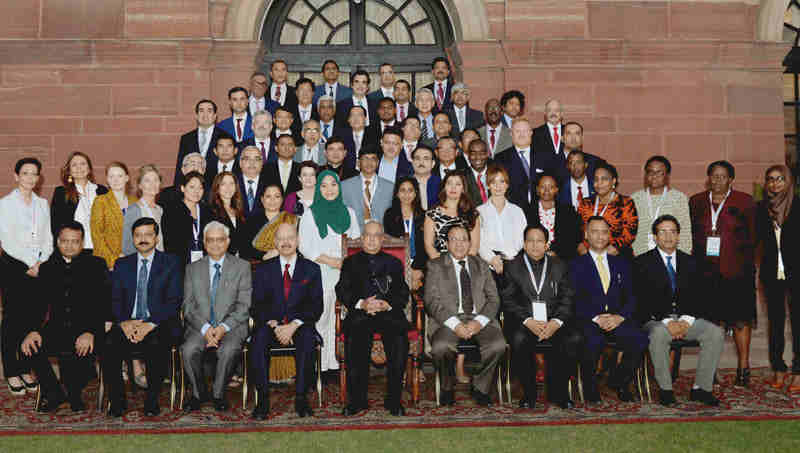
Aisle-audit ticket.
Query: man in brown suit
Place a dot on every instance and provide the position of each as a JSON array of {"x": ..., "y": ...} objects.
[{"x": 462, "y": 302}]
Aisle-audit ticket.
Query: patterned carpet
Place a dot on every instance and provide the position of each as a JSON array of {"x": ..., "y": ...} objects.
[{"x": 758, "y": 402}]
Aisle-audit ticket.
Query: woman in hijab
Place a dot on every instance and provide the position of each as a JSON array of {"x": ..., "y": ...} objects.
[{"x": 321, "y": 230}]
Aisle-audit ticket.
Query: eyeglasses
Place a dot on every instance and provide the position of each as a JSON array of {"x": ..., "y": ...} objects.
[
  {"x": 216, "y": 240},
  {"x": 775, "y": 179}
]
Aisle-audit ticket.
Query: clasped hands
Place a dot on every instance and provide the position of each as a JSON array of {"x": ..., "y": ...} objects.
[
  {"x": 677, "y": 329},
  {"x": 542, "y": 329},
  {"x": 467, "y": 330},
  {"x": 84, "y": 344},
  {"x": 135, "y": 329},
  {"x": 284, "y": 333},
  {"x": 214, "y": 336},
  {"x": 373, "y": 305},
  {"x": 609, "y": 322}
]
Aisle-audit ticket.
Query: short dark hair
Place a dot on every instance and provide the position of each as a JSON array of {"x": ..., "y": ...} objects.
[
  {"x": 665, "y": 218},
  {"x": 357, "y": 107},
  {"x": 302, "y": 81},
  {"x": 420, "y": 146},
  {"x": 274, "y": 62},
  {"x": 284, "y": 109},
  {"x": 143, "y": 221},
  {"x": 368, "y": 148},
  {"x": 578, "y": 152},
  {"x": 454, "y": 227},
  {"x": 310, "y": 164},
  {"x": 724, "y": 164},
  {"x": 329, "y": 61},
  {"x": 509, "y": 95},
  {"x": 237, "y": 89},
  {"x": 537, "y": 226},
  {"x": 70, "y": 225},
  {"x": 385, "y": 64},
  {"x": 389, "y": 100},
  {"x": 26, "y": 161},
  {"x": 205, "y": 101},
  {"x": 410, "y": 117},
  {"x": 224, "y": 136},
  {"x": 470, "y": 129},
  {"x": 403, "y": 81},
  {"x": 359, "y": 72},
  {"x": 661, "y": 159},
  {"x": 440, "y": 59},
  {"x": 257, "y": 73},
  {"x": 447, "y": 137},
  {"x": 193, "y": 175},
  {"x": 333, "y": 140},
  {"x": 277, "y": 140},
  {"x": 607, "y": 167},
  {"x": 570, "y": 123},
  {"x": 597, "y": 218},
  {"x": 393, "y": 130}
]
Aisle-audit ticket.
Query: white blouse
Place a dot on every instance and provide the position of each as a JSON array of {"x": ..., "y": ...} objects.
[
  {"x": 311, "y": 245},
  {"x": 25, "y": 228},
  {"x": 501, "y": 231},
  {"x": 83, "y": 213}
]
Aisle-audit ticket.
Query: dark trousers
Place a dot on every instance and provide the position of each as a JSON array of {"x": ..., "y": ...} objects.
[
  {"x": 776, "y": 292},
  {"x": 394, "y": 334},
  {"x": 155, "y": 352},
  {"x": 561, "y": 356},
  {"x": 19, "y": 289},
  {"x": 630, "y": 339},
  {"x": 305, "y": 342},
  {"x": 75, "y": 371}
]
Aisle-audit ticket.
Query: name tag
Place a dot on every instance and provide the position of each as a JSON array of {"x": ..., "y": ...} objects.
[
  {"x": 539, "y": 310},
  {"x": 651, "y": 242},
  {"x": 195, "y": 255},
  {"x": 713, "y": 245}
]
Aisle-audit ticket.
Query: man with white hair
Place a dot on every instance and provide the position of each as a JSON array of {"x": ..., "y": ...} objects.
[
  {"x": 216, "y": 306},
  {"x": 462, "y": 116},
  {"x": 262, "y": 136},
  {"x": 425, "y": 104}
]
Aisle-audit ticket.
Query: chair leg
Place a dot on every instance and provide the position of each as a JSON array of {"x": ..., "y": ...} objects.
[
  {"x": 343, "y": 382},
  {"x": 244, "y": 379},
  {"x": 172, "y": 387},
  {"x": 438, "y": 388},
  {"x": 38, "y": 399},
  {"x": 414, "y": 380},
  {"x": 580, "y": 383},
  {"x": 319, "y": 375},
  {"x": 508, "y": 375},
  {"x": 183, "y": 381},
  {"x": 101, "y": 387},
  {"x": 646, "y": 371},
  {"x": 499, "y": 376}
]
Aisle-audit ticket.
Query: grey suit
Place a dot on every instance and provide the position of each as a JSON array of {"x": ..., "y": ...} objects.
[
  {"x": 353, "y": 196},
  {"x": 503, "y": 142},
  {"x": 320, "y": 159},
  {"x": 231, "y": 308},
  {"x": 442, "y": 303}
]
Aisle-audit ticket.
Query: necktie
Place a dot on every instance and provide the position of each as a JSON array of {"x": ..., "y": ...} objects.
[
  {"x": 203, "y": 139},
  {"x": 330, "y": 92},
  {"x": 466, "y": 289},
  {"x": 224, "y": 168},
  {"x": 439, "y": 95},
  {"x": 424, "y": 127},
  {"x": 523, "y": 156},
  {"x": 491, "y": 139},
  {"x": 212, "y": 317},
  {"x": 402, "y": 113},
  {"x": 555, "y": 137},
  {"x": 461, "y": 124},
  {"x": 412, "y": 251},
  {"x": 278, "y": 93},
  {"x": 326, "y": 131},
  {"x": 141, "y": 292},
  {"x": 287, "y": 285},
  {"x": 481, "y": 187},
  {"x": 251, "y": 196},
  {"x": 672, "y": 276},
  {"x": 304, "y": 115},
  {"x": 238, "y": 129},
  {"x": 263, "y": 152},
  {"x": 579, "y": 198},
  {"x": 605, "y": 279},
  {"x": 367, "y": 200}
]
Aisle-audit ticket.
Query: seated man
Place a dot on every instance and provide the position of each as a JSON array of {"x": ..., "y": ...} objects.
[
  {"x": 538, "y": 306},
  {"x": 76, "y": 285},
  {"x": 287, "y": 303},
  {"x": 215, "y": 314},
  {"x": 373, "y": 288},
  {"x": 604, "y": 308},
  {"x": 671, "y": 308},
  {"x": 462, "y": 302},
  {"x": 145, "y": 299}
]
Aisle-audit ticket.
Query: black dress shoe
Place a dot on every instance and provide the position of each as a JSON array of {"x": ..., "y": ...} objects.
[
  {"x": 221, "y": 404},
  {"x": 352, "y": 409},
  {"x": 396, "y": 410},
  {"x": 624, "y": 395},
  {"x": 115, "y": 412},
  {"x": 302, "y": 408},
  {"x": 153, "y": 411},
  {"x": 566, "y": 404},
  {"x": 704, "y": 397},
  {"x": 261, "y": 411},
  {"x": 525, "y": 403},
  {"x": 52, "y": 403},
  {"x": 192, "y": 405},
  {"x": 447, "y": 398},
  {"x": 742, "y": 377},
  {"x": 667, "y": 398},
  {"x": 481, "y": 399}
]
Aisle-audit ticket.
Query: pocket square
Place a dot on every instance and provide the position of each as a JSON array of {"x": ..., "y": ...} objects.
[
  {"x": 539, "y": 170},
  {"x": 304, "y": 282}
]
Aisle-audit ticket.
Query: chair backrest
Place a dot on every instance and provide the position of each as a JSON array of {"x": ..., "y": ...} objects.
[{"x": 397, "y": 247}]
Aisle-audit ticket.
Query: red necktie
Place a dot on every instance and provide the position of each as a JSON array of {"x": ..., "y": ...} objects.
[
  {"x": 491, "y": 139},
  {"x": 580, "y": 194},
  {"x": 482, "y": 189},
  {"x": 238, "y": 129},
  {"x": 555, "y": 137},
  {"x": 402, "y": 113},
  {"x": 287, "y": 284},
  {"x": 439, "y": 96},
  {"x": 278, "y": 93},
  {"x": 263, "y": 152}
]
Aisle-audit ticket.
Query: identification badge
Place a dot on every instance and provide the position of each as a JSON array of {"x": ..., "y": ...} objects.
[
  {"x": 651, "y": 242},
  {"x": 196, "y": 255},
  {"x": 713, "y": 245},
  {"x": 539, "y": 310}
]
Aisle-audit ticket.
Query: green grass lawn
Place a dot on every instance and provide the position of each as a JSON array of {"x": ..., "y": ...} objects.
[{"x": 726, "y": 437}]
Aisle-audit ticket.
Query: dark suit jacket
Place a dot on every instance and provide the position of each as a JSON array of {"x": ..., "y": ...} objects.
[
  {"x": 273, "y": 175},
  {"x": 170, "y": 195},
  {"x": 212, "y": 172},
  {"x": 262, "y": 184},
  {"x": 342, "y": 92},
  {"x": 654, "y": 292},
  {"x": 563, "y": 172},
  {"x": 63, "y": 210},
  {"x": 404, "y": 167},
  {"x": 188, "y": 145},
  {"x": 568, "y": 229},
  {"x": 272, "y": 155},
  {"x": 590, "y": 300},
  {"x": 177, "y": 227},
  {"x": 412, "y": 110},
  {"x": 356, "y": 282},
  {"x": 229, "y": 126},
  {"x": 289, "y": 101},
  {"x": 271, "y": 105},
  {"x": 393, "y": 226},
  {"x": 461, "y": 164},
  {"x": 344, "y": 171},
  {"x": 370, "y": 137},
  {"x": 473, "y": 191},
  {"x": 523, "y": 184},
  {"x": 297, "y": 124},
  {"x": 565, "y": 191},
  {"x": 305, "y": 293},
  {"x": 164, "y": 287},
  {"x": 790, "y": 247},
  {"x": 557, "y": 291},
  {"x": 542, "y": 141},
  {"x": 448, "y": 100},
  {"x": 343, "y": 111},
  {"x": 474, "y": 119}
]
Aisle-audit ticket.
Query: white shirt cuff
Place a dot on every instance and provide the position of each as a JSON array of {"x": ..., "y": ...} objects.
[
  {"x": 594, "y": 320},
  {"x": 558, "y": 321},
  {"x": 298, "y": 322},
  {"x": 358, "y": 304},
  {"x": 205, "y": 328},
  {"x": 482, "y": 319},
  {"x": 452, "y": 322},
  {"x": 688, "y": 319},
  {"x": 666, "y": 321},
  {"x": 227, "y": 329}
]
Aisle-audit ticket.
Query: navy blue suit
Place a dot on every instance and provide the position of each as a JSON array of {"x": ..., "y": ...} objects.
[
  {"x": 262, "y": 185},
  {"x": 565, "y": 191},
  {"x": 404, "y": 167},
  {"x": 269, "y": 303},
  {"x": 342, "y": 92},
  {"x": 272, "y": 155},
  {"x": 590, "y": 301},
  {"x": 229, "y": 126},
  {"x": 522, "y": 185}
]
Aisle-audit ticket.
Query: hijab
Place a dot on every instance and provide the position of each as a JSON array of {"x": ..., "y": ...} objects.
[
  {"x": 779, "y": 204},
  {"x": 326, "y": 212}
]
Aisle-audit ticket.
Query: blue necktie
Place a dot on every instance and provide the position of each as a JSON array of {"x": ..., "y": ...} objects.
[
  {"x": 671, "y": 273},
  {"x": 141, "y": 292},
  {"x": 525, "y": 163},
  {"x": 325, "y": 131},
  {"x": 214, "y": 285},
  {"x": 412, "y": 250},
  {"x": 251, "y": 197}
]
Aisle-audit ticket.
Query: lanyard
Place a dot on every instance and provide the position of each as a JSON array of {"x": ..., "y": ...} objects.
[
  {"x": 715, "y": 213},
  {"x": 597, "y": 204},
  {"x": 409, "y": 225},
  {"x": 196, "y": 228},
  {"x": 650, "y": 203},
  {"x": 538, "y": 288}
]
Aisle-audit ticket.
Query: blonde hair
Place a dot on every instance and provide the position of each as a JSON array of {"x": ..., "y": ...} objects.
[{"x": 143, "y": 170}]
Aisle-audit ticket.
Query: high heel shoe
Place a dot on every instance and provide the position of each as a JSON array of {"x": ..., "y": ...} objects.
[
  {"x": 742, "y": 377},
  {"x": 794, "y": 387},
  {"x": 777, "y": 383}
]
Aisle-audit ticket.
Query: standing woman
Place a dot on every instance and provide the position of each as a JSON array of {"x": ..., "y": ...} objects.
[
  {"x": 297, "y": 202},
  {"x": 73, "y": 200},
  {"x": 108, "y": 211},
  {"x": 321, "y": 230},
  {"x": 777, "y": 226},
  {"x": 723, "y": 241},
  {"x": 258, "y": 233},
  {"x": 184, "y": 221},
  {"x": 27, "y": 242},
  {"x": 560, "y": 220},
  {"x": 618, "y": 210},
  {"x": 148, "y": 184},
  {"x": 453, "y": 208},
  {"x": 227, "y": 207},
  {"x": 405, "y": 216}
]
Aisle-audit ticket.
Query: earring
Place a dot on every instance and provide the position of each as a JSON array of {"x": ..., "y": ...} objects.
[{"x": 69, "y": 179}]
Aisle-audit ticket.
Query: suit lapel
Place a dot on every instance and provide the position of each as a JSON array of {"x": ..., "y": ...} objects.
[
  {"x": 476, "y": 284},
  {"x": 205, "y": 282}
]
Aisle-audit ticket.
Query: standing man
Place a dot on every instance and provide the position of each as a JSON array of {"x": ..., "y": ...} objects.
[
  {"x": 326, "y": 108},
  {"x": 252, "y": 181},
  {"x": 513, "y": 104},
  {"x": 258, "y": 94},
  {"x": 331, "y": 87},
  {"x": 358, "y": 136},
  {"x": 239, "y": 125},
  {"x": 386, "y": 90},
  {"x": 359, "y": 81},
  {"x": 572, "y": 141},
  {"x": 448, "y": 158},
  {"x": 577, "y": 185},
  {"x": 402, "y": 98},
  {"x": 550, "y": 135},
  {"x": 225, "y": 150},
  {"x": 477, "y": 185},
  {"x": 216, "y": 303},
  {"x": 304, "y": 88},
  {"x": 386, "y": 116},
  {"x": 368, "y": 194},
  {"x": 279, "y": 90},
  {"x": 425, "y": 105},
  {"x": 262, "y": 136},
  {"x": 313, "y": 148},
  {"x": 462, "y": 116},
  {"x": 393, "y": 164},
  {"x": 336, "y": 155},
  {"x": 200, "y": 140},
  {"x": 494, "y": 133},
  {"x": 442, "y": 84},
  {"x": 285, "y": 170}
]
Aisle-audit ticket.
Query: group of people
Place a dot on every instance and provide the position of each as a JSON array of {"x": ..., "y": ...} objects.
[{"x": 503, "y": 221}]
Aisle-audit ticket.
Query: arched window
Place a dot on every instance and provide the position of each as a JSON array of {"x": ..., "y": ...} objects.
[{"x": 409, "y": 34}]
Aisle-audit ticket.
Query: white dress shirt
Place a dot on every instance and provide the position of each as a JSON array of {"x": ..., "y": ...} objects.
[
  {"x": 331, "y": 90},
  {"x": 292, "y": 262},
  {"x": 211, "y": 271},
  {"x": 204, "y": 138},
  {"x": 285, "y": 171},
  {"x": 305, "y": 112},
  {"x": 25, "y": 230},
  {"x": 461, "y": 117},
  {"x": 388, "y": 92},
  {"x": 573, "y": 187},
  {"x": 453, "y": 321},
  {"x": 387, "y": 169},
  {"x": 358, "y": 137},
  {"x": 406, "y": 146},
  {"x": 225, "y": 166},
  {"x": 256, "y": 105},
  {"x": 83, "y": 212},
  {"x": 363, "y": 103},
  {"x": 689, "y": 319},
  {"x": 501, "y": 231},
  {"x": 236, "y": 119},
  {"x": 443, "y": 169}
]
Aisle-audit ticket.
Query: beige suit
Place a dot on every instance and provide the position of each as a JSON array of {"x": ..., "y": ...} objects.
[{"x": 442, "y": 303}]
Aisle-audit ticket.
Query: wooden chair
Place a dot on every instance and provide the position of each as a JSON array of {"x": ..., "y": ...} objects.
[{"x": 399, "y": 249}]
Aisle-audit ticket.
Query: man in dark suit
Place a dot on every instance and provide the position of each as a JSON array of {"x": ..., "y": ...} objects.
[
  {"x": 386, "y": 116},
  {"x": 425, "y": 105},
  {"x": 671, "y": 307},
  {"x": 538, "y": 306},
  {"x": 262, "y": 137},
  {"x": 374, "y": 290},
  {"x": 337, "y": 157},
  {"x": 462, "y": 116},
  {"x": 326, "y": 109},
  {"x": 447, "y": 158},
  {"x": 578, "y": 184},
  {"x": 226, "y": 153},
  {"x": 386, "y": 89},
  {"x": 442, "y": 84},
  {"x": 145, "y": 298},
  {"x": 279, "y": 91},
  {"x": 461, "y": 301},
  {"x": 216, "y": 305},
  {"x": 286, "y": 124},
  {"x": 357, "y": 136},
  {"x": 285, "y": 171},
  {"x": 240, "y": 124},
  {"x": 252, "y": 181},
  {"x": 393, "y": 163},
  {"x": 331, "y": 87},
  {"x": 524, "y": 165},
  {"x": 572, "y": 141},
  {"x": 550, "y": 135},
  {"x": 402, "y": 98},
  {"x": 604, "y": 309},
  {"x": 67, "y": 319},
  {"x": 513, "y": 104},
  {"x": 359, "y": 81},
  {"x": 258, "y": 95},
  {"x": 287, "y": 303},
  {"x": 200, "y": 140},
  {"x": 304, "y": 88},
  {"x": 477, "y": 185},
  {"x": 494, "y": 133}
]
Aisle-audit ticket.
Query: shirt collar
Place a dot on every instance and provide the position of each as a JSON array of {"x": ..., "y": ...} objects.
[
  {"x": 291, "y": 262},
  {"x": 211, "y": 262},
  {"x": 465, "y": 259},
  {"x": 242, "y": 116},
  {"x": 664, "y": 255},
  {"x": 149, "y": 259},
  {"x": 595, "y": 255}
]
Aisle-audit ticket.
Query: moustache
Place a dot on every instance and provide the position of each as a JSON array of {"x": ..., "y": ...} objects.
[{"x": 143, "y": 243}]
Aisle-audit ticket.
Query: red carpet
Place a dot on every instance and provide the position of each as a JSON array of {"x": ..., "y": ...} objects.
[{"x": 759, "y": 402}]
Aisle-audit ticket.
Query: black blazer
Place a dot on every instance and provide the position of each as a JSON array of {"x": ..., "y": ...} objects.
[
  {"x": 170, "y": 195},
  {"x": 63, "y": 210},
  {"x": 289, "y": 102},
  {"x": 343, "y": 111},
  {"x": 461, "y": 164},
  {"x": 212, "y": 172},
  {"x": 568, "y": 229},
  {"x": 393, "y": 226},
  {"x": 188, "y": 145},
  {"x": 297, "y": 124},
  {"x": 654, "y": 292},
  {"x": 272, "y": 155},
  {"x": 177, "y": 226},
  {"x": 474, "y": 119},
  {"x": 518, "y": 292},
  {"x": 273, "y": 176},
  {"x": 522, "y": 183},
  {"x": 448, "y": 100},
  {"x": 262, "y": 184},
  {"x": 473, "y": 192},
  {"x": 235, "y": 231},
  {"x": 542, "y": 141},
  {"x": 370, "y": 137},
  {"x": 790, "y": 245}
]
